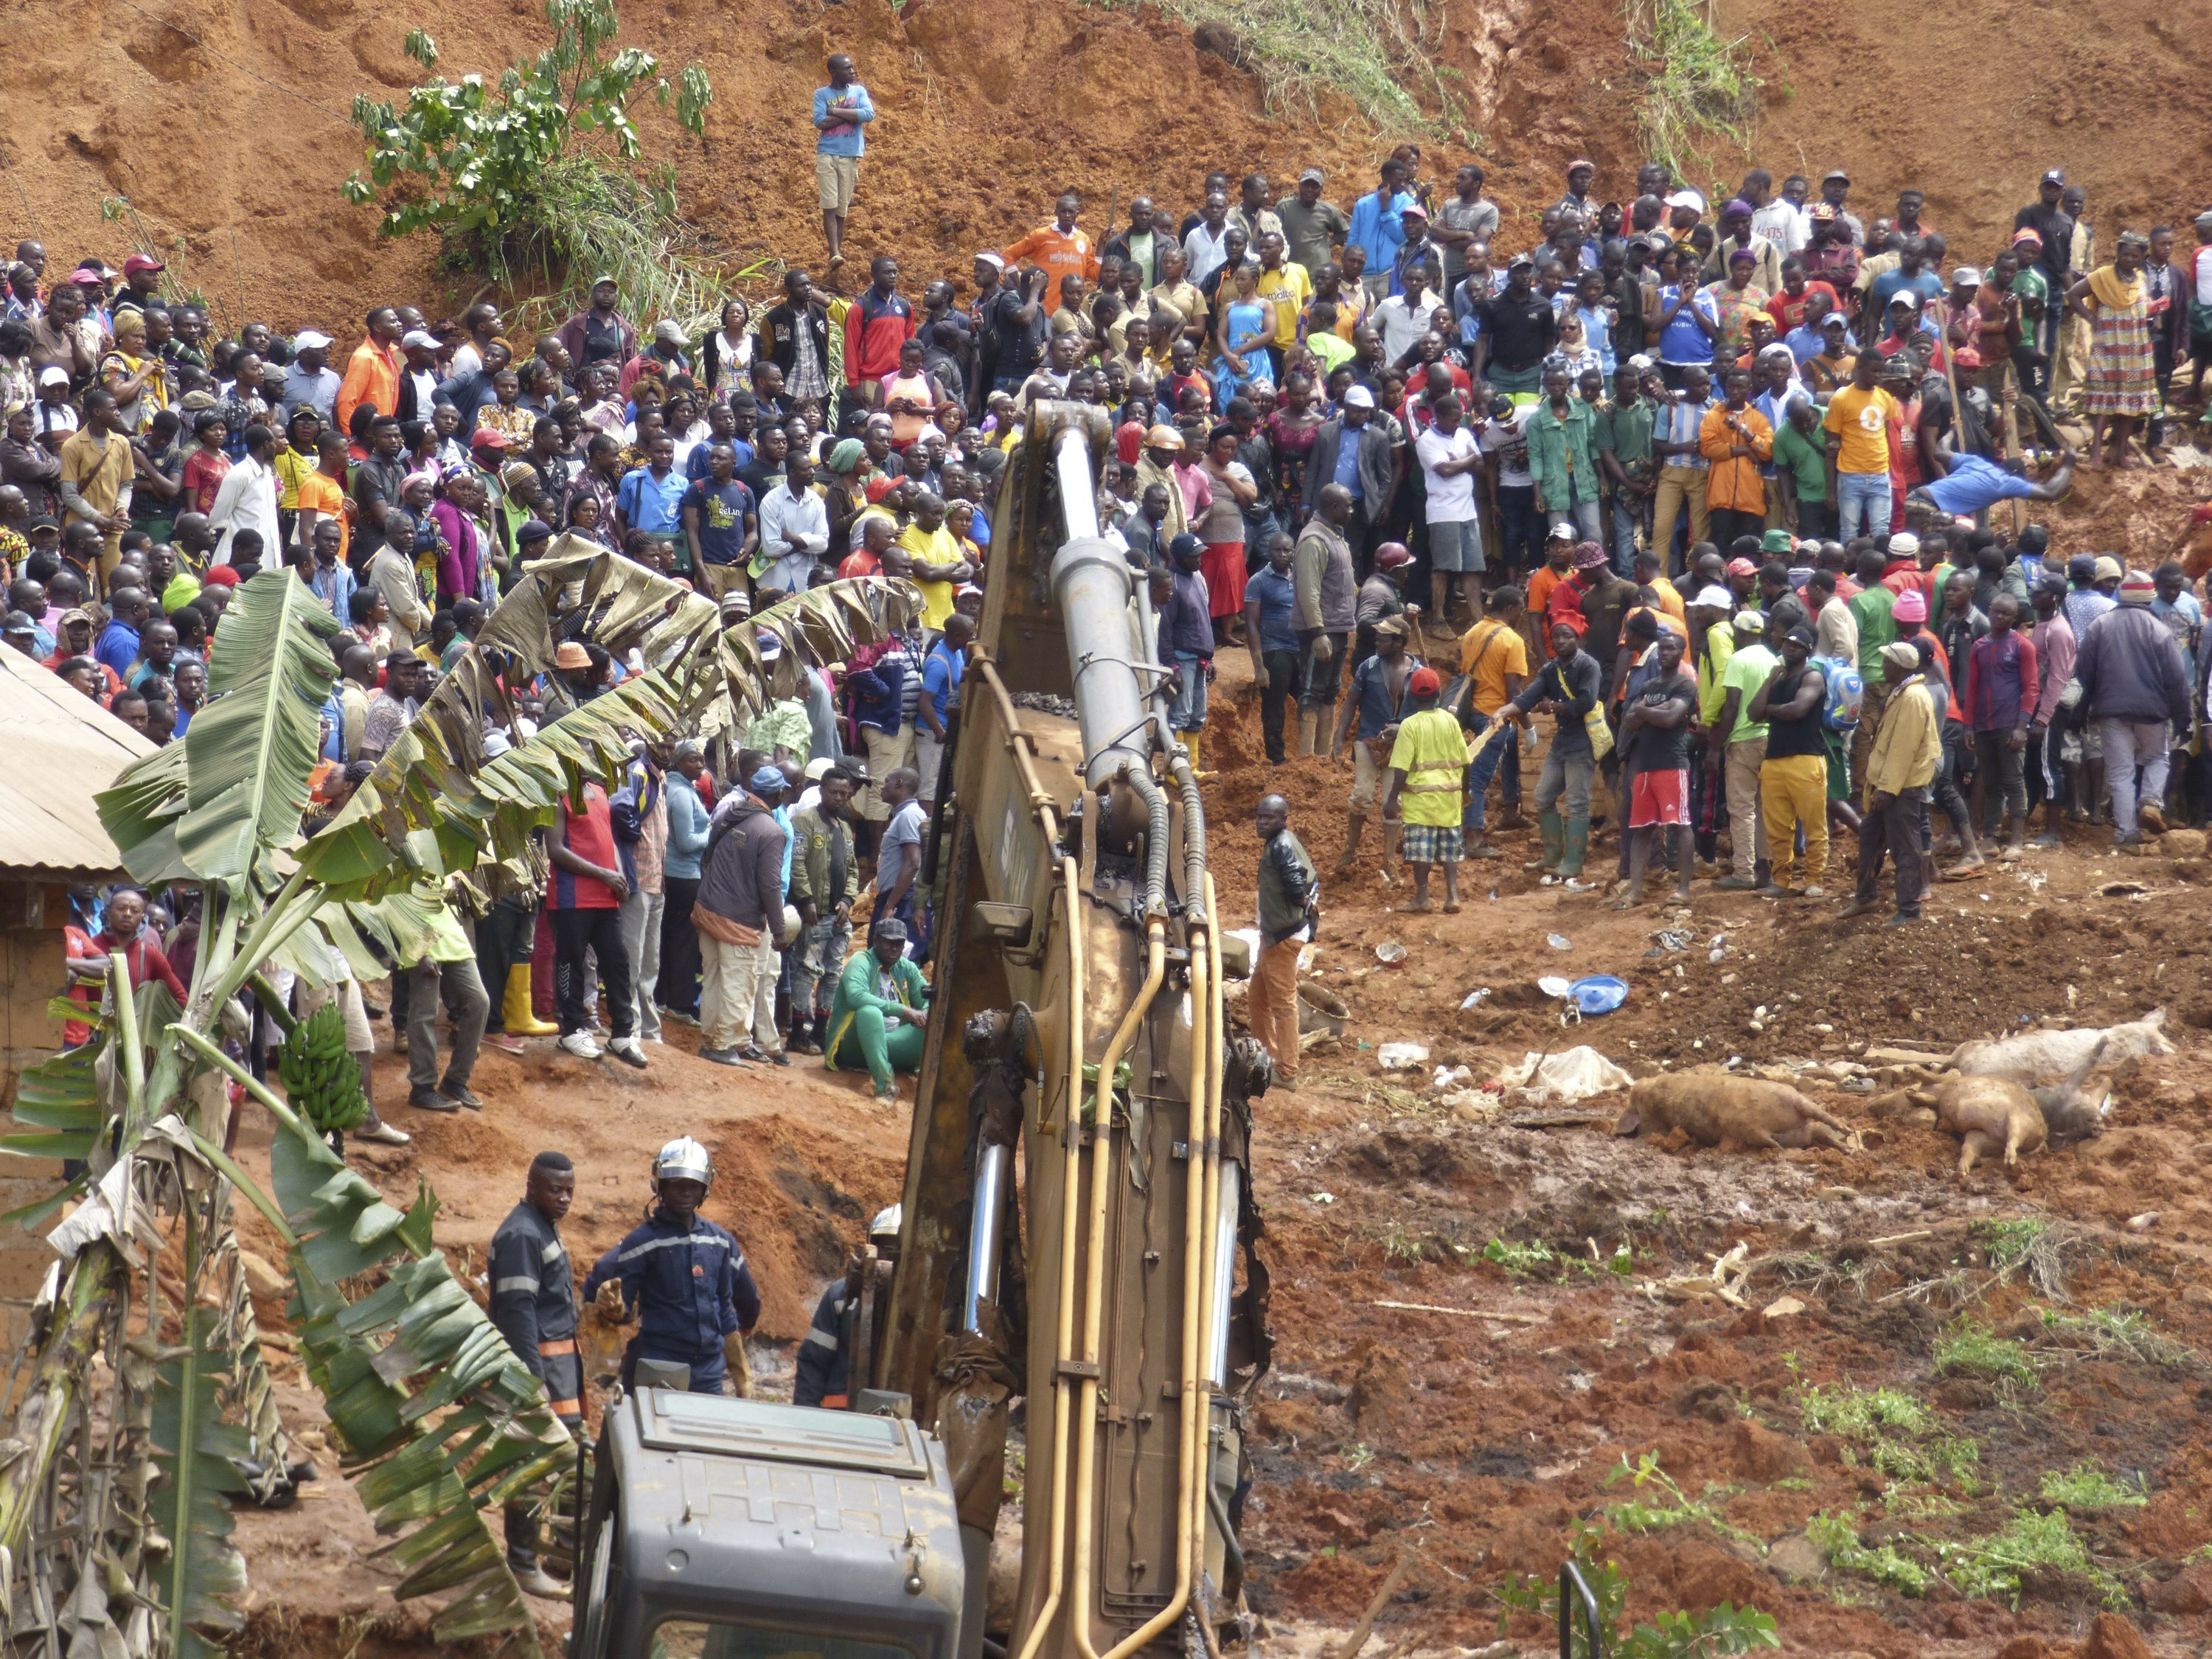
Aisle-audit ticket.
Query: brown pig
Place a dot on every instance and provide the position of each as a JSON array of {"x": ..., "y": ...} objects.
[
  {"x": 1711, "y": 1107},
  {"x": 1988, "y": 1114}
]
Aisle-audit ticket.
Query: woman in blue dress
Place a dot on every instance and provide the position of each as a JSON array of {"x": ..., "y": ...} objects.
[{"x": 1245, "y": 338}]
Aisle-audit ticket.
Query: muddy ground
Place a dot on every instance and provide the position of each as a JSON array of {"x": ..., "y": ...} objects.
[{"x": 1478, "y": 1446}]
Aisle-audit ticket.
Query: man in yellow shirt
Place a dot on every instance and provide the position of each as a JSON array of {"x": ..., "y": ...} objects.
[
  {"x": 1858, "y": 465},
  {"x": 1495, "y": 660},
  {"x": 96, "y": 477},
  {"x": 938, "y": 567},
  {"x": 1428, "y": 771},
  {"x": 1287, "y": 284},
  {"x": 1900, "y": 768}
]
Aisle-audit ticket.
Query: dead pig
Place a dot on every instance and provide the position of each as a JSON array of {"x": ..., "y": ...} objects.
[
  {"x": 1713, "y": 1107},
  {"x": 1988, "y": 1114},
  {"x": 2032, "y": 1056}
]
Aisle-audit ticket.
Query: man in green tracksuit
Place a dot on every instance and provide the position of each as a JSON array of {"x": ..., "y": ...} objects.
[{"x": 882, "y": 1006}]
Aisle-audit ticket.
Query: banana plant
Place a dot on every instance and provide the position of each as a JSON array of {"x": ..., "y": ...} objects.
[{"x": 436, "y": 1419}]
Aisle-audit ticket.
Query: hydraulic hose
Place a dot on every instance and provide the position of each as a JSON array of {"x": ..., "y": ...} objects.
[
  {"x": 1191, "y": 1447},
  {"x": 1214, "y": 1291},
  {"x": 1063, "y": 1349},
  {"x": 1133, "y": 772},
  {"x": 1194, "y": 835},
  {"x": 1101, "y": 1190}
]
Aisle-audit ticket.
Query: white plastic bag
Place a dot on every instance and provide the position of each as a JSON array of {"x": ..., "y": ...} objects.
[{"x": 1575, "y": 1075}]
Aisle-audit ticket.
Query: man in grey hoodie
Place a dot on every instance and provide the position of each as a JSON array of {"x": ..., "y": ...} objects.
[{"x": 740, "y": 916}]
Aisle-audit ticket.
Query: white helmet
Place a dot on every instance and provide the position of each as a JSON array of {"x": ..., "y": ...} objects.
[
  {"x": 683, "y": 1159},
  {"x": 886, "y": 1223}
]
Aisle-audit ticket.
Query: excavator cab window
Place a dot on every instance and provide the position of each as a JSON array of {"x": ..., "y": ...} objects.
[{"x": 692, "y": 1639}]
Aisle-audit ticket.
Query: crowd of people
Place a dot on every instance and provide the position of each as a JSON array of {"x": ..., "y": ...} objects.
[{"x": 1624, "y": 453}]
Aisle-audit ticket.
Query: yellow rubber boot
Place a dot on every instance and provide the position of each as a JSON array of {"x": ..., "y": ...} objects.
[
  {"x": 515, "y": 1010},
  {"x": 1190, "y": 741}
]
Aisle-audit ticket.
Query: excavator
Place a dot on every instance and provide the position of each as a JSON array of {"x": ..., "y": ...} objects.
[{"x": 1076, "y": 1280}]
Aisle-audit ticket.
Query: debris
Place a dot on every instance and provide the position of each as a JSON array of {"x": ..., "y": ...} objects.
[
  {"x": 1576, "y": 1075},
  {"x": 1322, "y": 1198},
  {"x": 1901, "y": 1238},
  {"x": 1598, "y": 993},
  {"x": 1475, "y": 999},
  {"x": 1451, "y": 1077},
  {"x": 1402, "y": 1056},
  {"x": 1365, "y": 1627},
  {"x": 1559, "y": 1120},
  {"x": 1725, "y": 1280},
  {"x": 1782, "y": 1307},
  {"x": 1555, "y": 984},
  {"x": 1466, "y": 1313},
  {"x": 1389, "y": 953},
  {"x": 1669, "y": 940},
  {"x": 2144, "y": 1222},
  {"x": 1905, "y": 1057},
  {"x": 1559, "y": 941}
]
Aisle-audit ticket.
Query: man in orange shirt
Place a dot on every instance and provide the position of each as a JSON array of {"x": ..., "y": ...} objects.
[
  {"x": 1058, "y": 248},
  {"x": 373, "y": 375},
  {"x": 323, "y": 492},
  {"x": 1736, "y": 439}
]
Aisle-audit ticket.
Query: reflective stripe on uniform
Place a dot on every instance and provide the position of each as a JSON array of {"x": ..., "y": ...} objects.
[
  {"x": 552, "y": 1252},
  {"x": 823, "y": 1340},
  {"x": 515, "y": 1282},
  {"x": 697, "y": 1241}
]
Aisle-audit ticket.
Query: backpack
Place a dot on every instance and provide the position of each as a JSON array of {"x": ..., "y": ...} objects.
[{"x": 1846, "y": 692}]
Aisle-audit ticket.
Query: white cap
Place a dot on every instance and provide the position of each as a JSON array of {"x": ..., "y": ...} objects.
[
  {"x": 53, "y": 374},
  {"x": 309, "y": 339},
  {"x": 1904, "y": 542},
  {"x": 416, "y": 336},
  {"x": 1358, "y": 397},
  {"x": 992, "y": 260},
  {"x": 886, "y": 1223},
  {"x": 1715, "y": 596},
  {"x": 683, "y": 1159},
  {"x": 1688, "y": 198}
]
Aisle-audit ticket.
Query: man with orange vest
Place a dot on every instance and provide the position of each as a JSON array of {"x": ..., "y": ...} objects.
[
  {"x": 373, "y": 375},
  {"x": 1059, "y": 248}
]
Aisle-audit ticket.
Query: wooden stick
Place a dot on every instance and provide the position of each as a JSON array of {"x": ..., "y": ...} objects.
[
  {"x": 1366, "y": 1624},
  {"x": 1903, "y": 1057},
  {"x": 1466, "y": 1313},
  {"x": 1902, "y": 1238}
]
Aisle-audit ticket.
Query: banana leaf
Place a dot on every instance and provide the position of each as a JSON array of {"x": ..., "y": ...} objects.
[
  {"x": 201, "y": 1568},
  {"x": 439, "y": 1420},
  {"x": 250, "y": 751}
]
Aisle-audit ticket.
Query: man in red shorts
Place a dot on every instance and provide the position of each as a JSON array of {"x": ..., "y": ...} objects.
[{"x": 1655, "y": 768}]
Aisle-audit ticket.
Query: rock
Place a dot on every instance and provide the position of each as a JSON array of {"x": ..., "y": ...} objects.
[
  {"x": 1763, "y": 1454},
  {"x": 2186, "y": 1593},
  {"x": 2182, "y": 843},
  {"x": 262, "y": 1278},
  {"x": 1705, "y": 1398},
  {"x": 2113, "y": 1637},
  {"x": 1796, "y": 1559},
  {"x": 2025, "y": 1647}
]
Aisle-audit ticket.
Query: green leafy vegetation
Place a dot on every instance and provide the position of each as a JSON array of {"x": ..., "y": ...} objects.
[
  {"x": 1668, "y": 1504},
  {"x": 1971, "y": 1349},
  {"x": 1894, "y": 1433},
  {"x": 1838, "y": 1539},
  {"x": 2085, "y": 1486},
  {"x": 1384, "y": 57},
  {"x": 1519, "y": 1259},
  {"x": 2122, "y": 1330},
  {"x": 529, "y": 179},
  {"x": 1723, "y": 1629},
  {"x": 1992, "y": 1567},
  {"x": 1699, "y": 84}
]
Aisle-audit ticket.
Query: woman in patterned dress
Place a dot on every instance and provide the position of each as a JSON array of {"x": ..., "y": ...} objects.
[{"x": 2121, "y": 385}]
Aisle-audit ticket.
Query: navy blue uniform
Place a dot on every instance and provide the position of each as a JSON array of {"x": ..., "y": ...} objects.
[
  {"x": 688, "y": 1288},
  {"x": 824, "y": 1366},
  {"x": 534, "y": 1303}
]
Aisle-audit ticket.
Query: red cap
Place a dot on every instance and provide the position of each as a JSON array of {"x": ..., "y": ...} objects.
[
  {"x": 1425, "y": 683},
  {"x": 1742, "y": 567},
  {"x": 486, "y": 437},
  {"x": 880, "y": 486},
  {"x": 138, "y": 262},
  {"x": 1391, "y": 555},
  {"x": 222, "y": 574}
]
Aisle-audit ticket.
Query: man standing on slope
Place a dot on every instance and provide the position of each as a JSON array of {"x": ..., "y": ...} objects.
[{"x": 841, "y": 110}]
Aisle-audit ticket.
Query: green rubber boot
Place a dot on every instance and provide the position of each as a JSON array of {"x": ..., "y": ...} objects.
[
  {"x": 1554, "y": 829},
  {"x": 1570, "y": 865}
]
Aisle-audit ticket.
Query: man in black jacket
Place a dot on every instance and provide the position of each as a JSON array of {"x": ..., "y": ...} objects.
[
  {"x": 1290, "y": 909},
  {"x": 795, "y": 337},
  {"x": 533, "y": 1303},
  {"x": 740, "y": 916}
]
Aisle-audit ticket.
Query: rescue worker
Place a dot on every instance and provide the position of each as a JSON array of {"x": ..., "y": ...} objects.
[
  {"x": 825, "y": 1363},
  {"x": 534, "y": 1303},
  {"x": 682, "y": 1277}
]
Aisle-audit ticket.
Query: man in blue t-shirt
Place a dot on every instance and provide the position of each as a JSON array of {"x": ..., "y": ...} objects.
[
  {"x": 1378, "y": 228},
  {"x": 941, "y": 670},
  {"x": 1973, "y": 483},
  {"x": 1271, "y": 635},
  {"x": 720, "y": 520},
  {"x": 841, "y": 110}
]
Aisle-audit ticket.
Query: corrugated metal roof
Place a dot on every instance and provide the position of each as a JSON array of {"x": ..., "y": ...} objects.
[{"x": 58, "y": 749}]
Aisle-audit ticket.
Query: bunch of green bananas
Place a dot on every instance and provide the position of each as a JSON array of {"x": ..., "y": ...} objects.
[{"x": 321, "y": 1078}]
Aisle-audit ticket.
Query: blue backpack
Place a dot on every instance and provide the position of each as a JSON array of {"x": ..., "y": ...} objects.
[{"x": 1846, "y": 692}]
